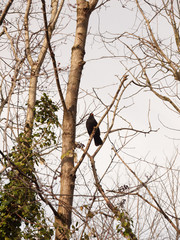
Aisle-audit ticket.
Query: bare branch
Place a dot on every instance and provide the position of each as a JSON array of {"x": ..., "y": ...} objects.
[
  {"x": 92, "y": 134},
  {"x": 4, "y": 13},
  {"x": 160, "y": 208},
  {"x": 92, "y": 4},
  {"x": 26, "y": 27},
  {"x": 52, "y": 56}
]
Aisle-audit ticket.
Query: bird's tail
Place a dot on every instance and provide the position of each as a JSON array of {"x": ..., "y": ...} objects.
[{"x": 98, "y": 141}]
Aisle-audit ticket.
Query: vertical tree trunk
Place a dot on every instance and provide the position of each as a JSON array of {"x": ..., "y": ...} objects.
[
  {"x": 69, "y": 119},
  {"x": 36, "y": 65},
  {"x": 31, "y": 104}
]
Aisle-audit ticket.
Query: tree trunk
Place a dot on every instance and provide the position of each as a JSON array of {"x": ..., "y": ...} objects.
[
  {"x": 69, "y": 120},
  {"x": 31, "y": 104},
  {"x": 36, "y": 66}
]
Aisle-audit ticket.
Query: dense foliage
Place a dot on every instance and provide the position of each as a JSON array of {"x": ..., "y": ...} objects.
[{"x": 21, "y": 213}]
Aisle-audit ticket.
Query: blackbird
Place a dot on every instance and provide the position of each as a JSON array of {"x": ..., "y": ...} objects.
[{"x": 90, "y": 124}]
